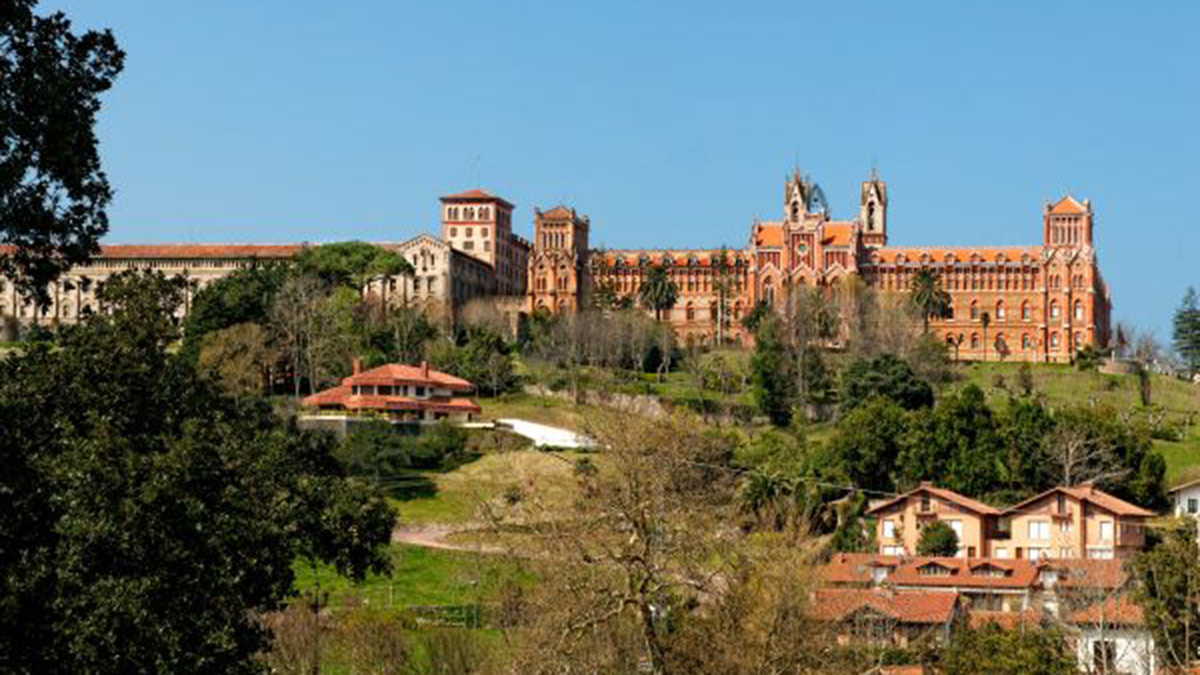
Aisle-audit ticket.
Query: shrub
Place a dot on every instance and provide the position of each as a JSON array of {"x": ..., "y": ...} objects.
[{"x": 937, "y": 539}]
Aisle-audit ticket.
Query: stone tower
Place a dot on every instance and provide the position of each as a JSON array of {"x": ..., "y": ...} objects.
[
  {"x": 872, "y": 211},
  {"x": 558, "y": 278}
]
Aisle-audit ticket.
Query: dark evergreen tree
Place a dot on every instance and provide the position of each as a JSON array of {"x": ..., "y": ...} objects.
[
  {"x": 938, "y": 539},
  {"x": 771, "y": 377},
  {"x": 886, "y": 376},
  {"x": 1186, "y": 331}
]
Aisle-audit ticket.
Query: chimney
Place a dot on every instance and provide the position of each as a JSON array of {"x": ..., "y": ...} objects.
[
  {"x": 355, "y": 366},
  {"x": 425, "y": 369}
]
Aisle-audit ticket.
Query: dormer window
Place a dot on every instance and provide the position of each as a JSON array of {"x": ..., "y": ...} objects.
[{"x": 934, "y": 570}]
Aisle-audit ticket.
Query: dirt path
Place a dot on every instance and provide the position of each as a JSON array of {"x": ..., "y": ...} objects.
[{"x": 435, "y": 536}]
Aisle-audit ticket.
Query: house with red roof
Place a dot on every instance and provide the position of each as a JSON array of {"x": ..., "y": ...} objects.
[{"x": 398, "y": 393}]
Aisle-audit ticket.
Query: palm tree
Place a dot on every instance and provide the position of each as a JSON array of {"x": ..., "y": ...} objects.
[
  {"x": 657, "y": 291},
  {"x": 930, "y": 299}
]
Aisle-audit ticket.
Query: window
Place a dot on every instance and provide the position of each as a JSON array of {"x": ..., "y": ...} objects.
[
  {"x": 974, "y": 341},
  {"x": 1054, "y": 310},
  {"x": 483, "y": 232},
  {"x": 1039, "y": 530},
  {"x": 925, "y": 502},
  {"x": 1025, "y": 311},
  {"x": 1106, "y": 530},
  {"x": 1000, "y": 311},
  {"x": 1054, "y": 340},
  {"x": 1079, "y": 310},
  {"x": 889, "y": 528},
  {"x": 1100, "y": 553},
  {"x": 893, "y": 550},
  {"x": 468, "y": 233},
  {"x": 1025, "y": 342},
  {"x": 420, "y": 390},
  {"x": 1001, "y": 552},
  {"x": 1037, "y": 552},
  {"x": 1192, "y": 506},
  {"x": 974, "y": 310},
  {"x": 1104, "y": 656}
]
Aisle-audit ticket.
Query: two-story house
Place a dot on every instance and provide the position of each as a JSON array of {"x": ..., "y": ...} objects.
[
  {"x": 899, "y": 521},
  {"x": 398, "y": 393},
  {"x": 1072, "y": 522}
]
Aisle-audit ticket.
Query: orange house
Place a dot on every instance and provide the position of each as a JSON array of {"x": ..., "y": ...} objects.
[
  {"x": 1073, "y": 522},
  {"x": 899, "y": 521},
  {"x": 398, "y": 393}
]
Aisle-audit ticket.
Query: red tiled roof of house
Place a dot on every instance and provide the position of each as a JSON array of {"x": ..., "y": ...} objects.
[
  {"x": 1088, "y": 573},
  {"x": 177, "y": 251},
  {"x": 855, "y": 568},
  {"x": 1088, "y": 493},
  {"x": 1067, "y": 205},
  {"x": 948, "y": 495},
  {"x": 392, "y": 373},
  {"x": 902, "y": 670},
  {"x": 1118, "y": 611},
  {"x": 474, "y": 195},
  {"x": 963, "y": 254},
  {"x": 835, "y": 604},
  {"x": 967, "y": 573}
]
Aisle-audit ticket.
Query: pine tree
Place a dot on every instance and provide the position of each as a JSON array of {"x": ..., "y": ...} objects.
[{"x": 1186, "y": 330}]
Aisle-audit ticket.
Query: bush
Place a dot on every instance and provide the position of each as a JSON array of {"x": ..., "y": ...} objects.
[
  {"x": 886, "y": 376},
  {"x": 938, "y": 539}
]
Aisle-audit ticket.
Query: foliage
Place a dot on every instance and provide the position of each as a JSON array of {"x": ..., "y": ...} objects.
[
  {"x": 851, "y": 535},
  {"x": 885, "y": 376},
  {"x": 1185, "y": 331},
  {"x": 53, "y": 193},
  {"x": 992, "y": 650},
  {"x": 136, "y": 495},
  {"x": 1087, "y": 359},
  {"x": 938, "y": 539},
  {"x": 955, "y": 443},
  {"x": 240, "y": 357},
  {"x": 244, "y": 296},
  {"x": 658, "y": 291},
  {"x": 770, "y": 374},
  {"x": 479, "y": 356},
  {"x": 351, "y": 263},
  {"x": 757, "y": 314},
  {"x": 1169, "y": 593},
  {"x": 867, "y": 444},
  {"x": 929, "y": 296},
  {"x": 1024, "y": 426}
]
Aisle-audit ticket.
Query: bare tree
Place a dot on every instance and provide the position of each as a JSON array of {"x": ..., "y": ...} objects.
[{"x": 1077, "y": 455}]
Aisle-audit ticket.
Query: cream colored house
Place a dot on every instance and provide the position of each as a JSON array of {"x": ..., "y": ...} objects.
[
  {"x": 899, "y": 521},
  {"x": 1072, "y": 522}
]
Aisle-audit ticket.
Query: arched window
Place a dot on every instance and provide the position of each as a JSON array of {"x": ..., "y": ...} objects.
[
  {"x": 691, "y": 312},
  {"x": 1025, "y": 342},
  {"x": 1079, "y": 310},
  {"x": 1000, "y": 310},
  {"x": 1025, "y": 311},
  {"x": 974, "y": 310},
  {"x": 974, "y": 340},
  {"x": 1078, "y": 340},
  {"x": 795, "y": 210},
  {"x": 1054, "y": 340},
  {"x": 1054, "y": 309}
]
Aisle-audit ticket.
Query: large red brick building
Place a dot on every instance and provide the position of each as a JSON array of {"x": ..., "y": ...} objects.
[{"x": 1031, "y": 303}]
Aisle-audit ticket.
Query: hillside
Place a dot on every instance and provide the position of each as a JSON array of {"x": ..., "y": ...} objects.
[{"x": 1176, "y": 401}]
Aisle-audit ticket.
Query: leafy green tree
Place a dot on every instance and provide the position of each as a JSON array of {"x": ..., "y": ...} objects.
[
  {"x": 53, "y": 193},
  {"x": 929, "y": 296},
  {"x": 955, "y": 443},
  {"x": 658, "y": 292},
  {"x": 480, "y": 356},
  {"x": 240, "y": 357},
  {"x": 755, "y": 317},
  {"x": 937, "y": 539},
  {"x": 244, "y": 296},
  {"x": 1169, "y": 594},
  {"x": 886, "y": 376},
  {"x": 1186, "y": 330},
  {"x": 145, "y": 518},
  {"x": 1023, "y": 427},
  {"x": 351, "y": 263},
  {"x": 771, "y": 374},
  {"x": 867, "y": 443},
  {"x": 992, "y": 650},
  {"x": 850, "y": 535}
]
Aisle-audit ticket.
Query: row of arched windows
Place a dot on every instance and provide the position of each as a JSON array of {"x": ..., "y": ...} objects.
[
  {"x": 468, "y": 213},
  {"x": 1026, "y": 311}
]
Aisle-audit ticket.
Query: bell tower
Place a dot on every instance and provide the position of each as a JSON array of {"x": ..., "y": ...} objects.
[
  {"x": 872, "y": 211},
  {"x": 795, "y": 198}
]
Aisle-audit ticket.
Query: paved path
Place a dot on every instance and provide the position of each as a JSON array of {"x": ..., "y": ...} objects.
[{"x": 544, "y": 435}]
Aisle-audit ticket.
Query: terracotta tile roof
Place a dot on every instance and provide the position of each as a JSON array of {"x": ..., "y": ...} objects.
[
  {"x": 911, "y": 607},
  {"x": 331, "y": 396},
  {"x": 856, "y": 568},
  {"x": 196, "y": 250},
  {"x": 836, "y": 234},
  {"x": 474, "y": 195},
  {"x": 902, "y": 670},
  {"x": 1006, "y": 620},
  {"x": 768, "y": 234},
  {"x": 1068, "y": 206},
  {"x": 1088, "y": 573},
  {"x": 1118, "y": 611},
  {"x": 395, "y": 373},
  {"x": 680, "y": 257},
  {"x": 1088, "y": 493},
  {"x": 947, "y": 495},
  {"x": 559, "y": 212}
]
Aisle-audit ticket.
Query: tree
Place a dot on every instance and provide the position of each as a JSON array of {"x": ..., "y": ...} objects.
[
  {"x": 771, "y": 374},
  {"x": 1186, "y": 330},
  {"x": 867, "y": 443},
  {"x": 244, "y": 296},
  {"x": 1169, "y": 594},
  {"x": 353, "y": 264},
  {"x": 885, "y": 376},
  {"x": 986, "y": 320},
  {"x": 938, "y": 539},
  {"x": 480, "y": 356},
  {"x": 240, "y": 357},
  {"x": 53, "y": 193},
  {"x": 146, "y": 519},
  {"x": 955, "y": 443},
  {"x": 658, "y": 292},
  {"x": 992, "y": 650},
  {"x": 929, "y": 296}
]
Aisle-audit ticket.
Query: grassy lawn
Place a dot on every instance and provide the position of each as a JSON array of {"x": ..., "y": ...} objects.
[
  {"x": 541, "y": 409},
  {"x": 419, "y": 576},
  {"x": 458, "y": 493},
  {"x": 1063, "y": 385}
]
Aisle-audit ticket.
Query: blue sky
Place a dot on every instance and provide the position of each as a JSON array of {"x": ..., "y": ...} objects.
[{"x": 670, "y": 124}]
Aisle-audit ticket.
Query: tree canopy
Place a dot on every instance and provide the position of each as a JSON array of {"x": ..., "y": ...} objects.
[
  {"x": 53, "y": 193},
  {"x": 938, "y": 539},
  {"x": 1185, "y": 330},
  {"x": 887, "y": 376},
  {"x": 145, "y": 517},
  {"x": 351, "y": 263},
  {"x": 658, "y": 292}
]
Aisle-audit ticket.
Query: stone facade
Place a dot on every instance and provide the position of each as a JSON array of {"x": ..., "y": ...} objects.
[
  {"x": 443, "y": 280},
  {"x": 480, "y": 225}
]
